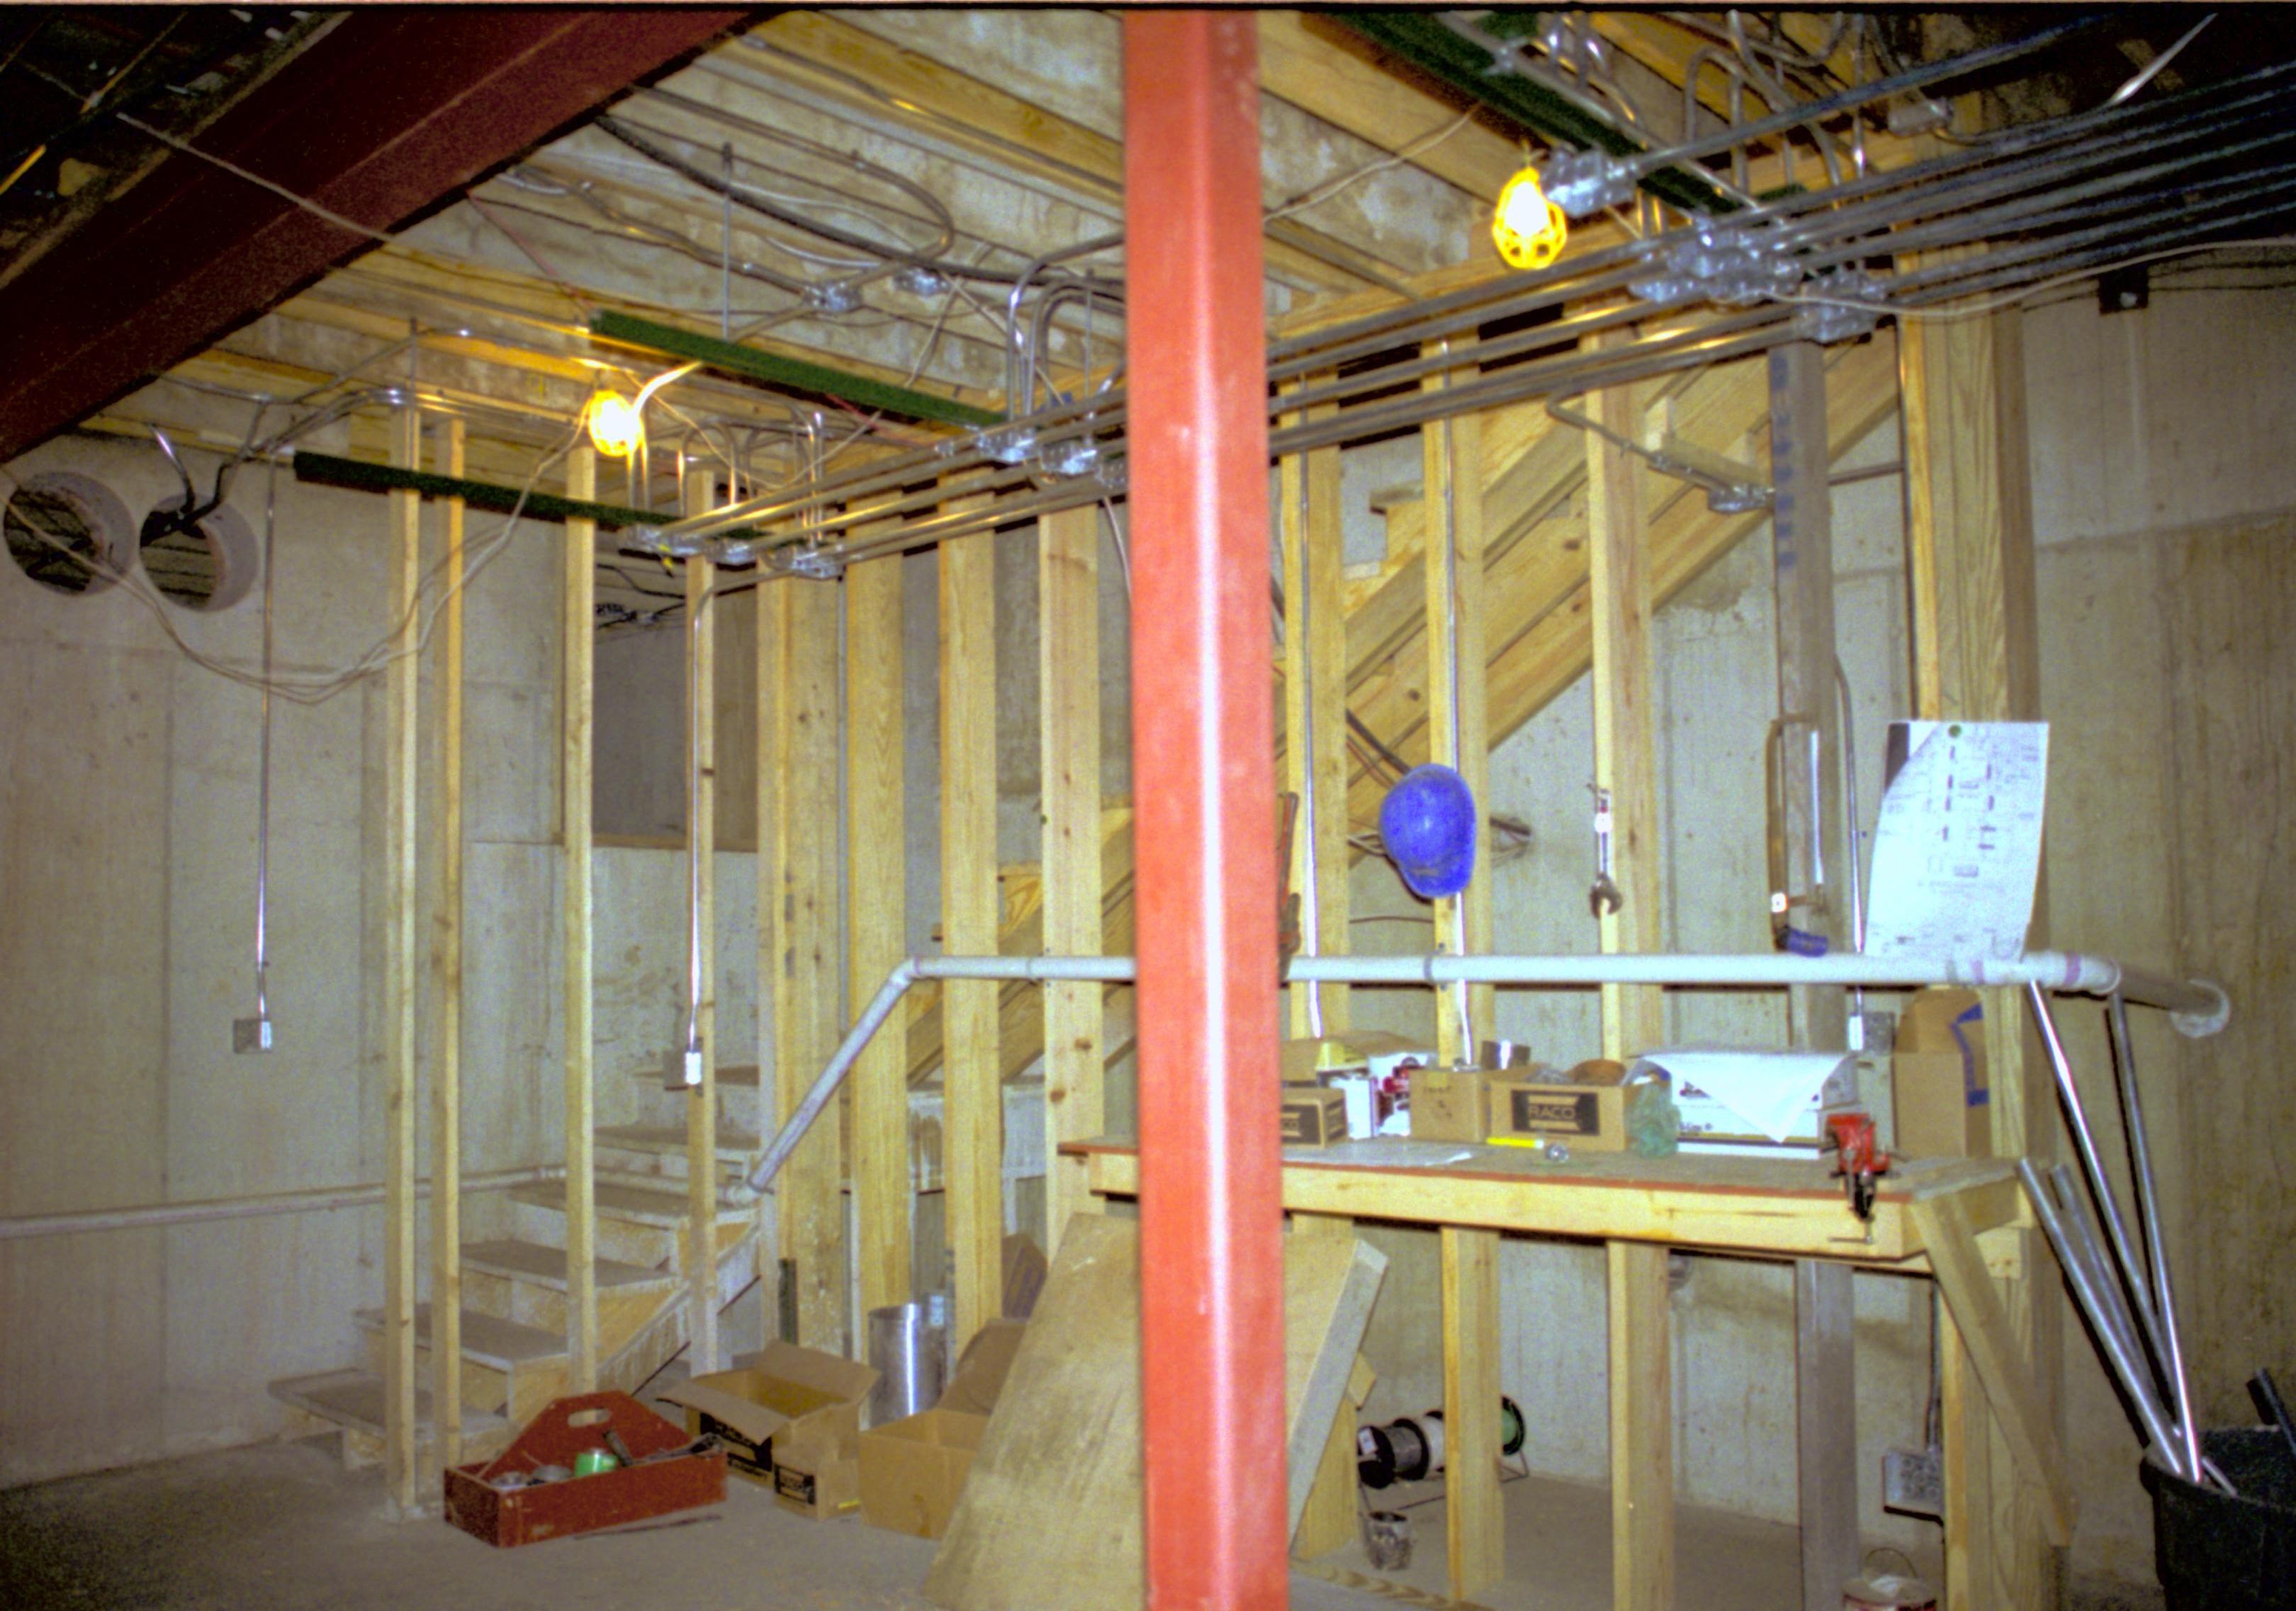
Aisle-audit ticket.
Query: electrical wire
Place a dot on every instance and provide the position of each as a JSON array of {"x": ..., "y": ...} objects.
[{"x": 1330, "y": 188}]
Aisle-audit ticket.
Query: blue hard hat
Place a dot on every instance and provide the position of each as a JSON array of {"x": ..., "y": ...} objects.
[{"x": 1428, "y": 823}]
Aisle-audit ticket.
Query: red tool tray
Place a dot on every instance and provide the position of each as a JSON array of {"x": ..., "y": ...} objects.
[{"x": 567, "y": 1427}]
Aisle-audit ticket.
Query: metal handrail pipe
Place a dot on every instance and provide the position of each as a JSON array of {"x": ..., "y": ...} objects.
[{"x": 149, "y": 1215}]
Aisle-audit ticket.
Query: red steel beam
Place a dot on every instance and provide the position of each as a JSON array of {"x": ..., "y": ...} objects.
[
  {"x": 1211, "y": 1254},
  {"x": 391, "y": 110}
]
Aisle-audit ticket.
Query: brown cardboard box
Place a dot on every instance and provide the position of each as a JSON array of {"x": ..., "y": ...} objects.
[
  {"x": 1451, "y": 1104},
  {"x": 1587, "y": 1111},
  {"x": 981, "y": 1370},
  {"x": 913, "y": 1469},
  {"x": 1314, "y": 1116},
  {"x": 786, "y": 1406},
  {"x": 1939, "y": 1078},
  {"x": 1303, "y": 1062}
]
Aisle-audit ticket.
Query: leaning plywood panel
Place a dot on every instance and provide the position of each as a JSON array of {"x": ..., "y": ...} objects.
[{"x": 1050, "y": 1515}]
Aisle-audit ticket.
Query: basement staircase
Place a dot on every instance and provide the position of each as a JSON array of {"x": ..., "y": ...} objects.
[{"x": 514, "y": 1315}]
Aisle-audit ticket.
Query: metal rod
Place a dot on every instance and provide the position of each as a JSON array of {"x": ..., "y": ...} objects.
[
  {"x": 2148, "y": 1213},
  {"x": 263, "y": 765},
  {"x": 144, "y": 1216}
]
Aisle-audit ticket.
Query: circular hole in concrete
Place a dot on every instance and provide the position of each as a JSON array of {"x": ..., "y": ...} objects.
[
  {"x": 209, "y": 564},
  {"x": 65, "y": 530}
]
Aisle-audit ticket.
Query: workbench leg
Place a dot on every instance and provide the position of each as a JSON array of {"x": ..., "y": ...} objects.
[
  {"x": 1825, "y": 1421},
  {"x": 1470, "y": 1409},
  {"x": 1642, "y": 1430},
  {"x": 1329, "y": 1521},
  {"x": 1966, "y": 1432}
]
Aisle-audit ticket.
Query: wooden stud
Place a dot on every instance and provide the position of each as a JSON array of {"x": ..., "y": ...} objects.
[
  {"x": 446, "y": 983},
  {"x": 1476, "y": 1530},
  {"x": 972, "y": 1145},
  {"x": 1634, "y": 1017},
  {"x": 1642, "y": 1429},
  {"x": 579, "y": 712},
  {"x": 1314, "y": 711},
  {"x": 1329, "y": 1520},
  {"x": 1993, "y": 1350},
  {"x": 400, "y": 766},
  {"x": 1075, "y": 1019},
  {"x": 1457, "y": 709},
  {"x": 797, "y": 647},
  {"x": 1968, "y": 1488},
  {"x": 877, "y": 911},
  {"x": 701, "y": 920}
]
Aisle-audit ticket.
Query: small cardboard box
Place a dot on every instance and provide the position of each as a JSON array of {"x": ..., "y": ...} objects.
[
  {"x": 790, "y": 1418},
  {"x": 1314, "y": 1116},
  {"x": 913, "y": 1469},
  {"x": 1942, "y": 1087},
  {"x": 1587, "y": 1111},
  {"x": 1451, "y": 1104},
  {"x": 1305, "y": 1062}
]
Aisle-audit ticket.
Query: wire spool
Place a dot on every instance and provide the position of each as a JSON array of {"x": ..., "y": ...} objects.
[{"x": 1409, "y": 1450}]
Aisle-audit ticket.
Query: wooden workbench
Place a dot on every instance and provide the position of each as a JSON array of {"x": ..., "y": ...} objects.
[{"x": 1928, "y": 1215}]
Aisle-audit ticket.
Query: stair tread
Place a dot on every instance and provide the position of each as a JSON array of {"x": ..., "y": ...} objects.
[
  {"x": 640, "y": 1204},
  {"x": 487, "y": 1339},
  {"x": 355, "y": 1398},
  {"x": 671, "y": 1139},
  {"x": 737, "y": 1074},
  {"x": 544, "y": 1266}
]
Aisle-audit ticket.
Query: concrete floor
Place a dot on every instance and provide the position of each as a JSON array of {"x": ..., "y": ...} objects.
[{"x": 284, "y": 1526}]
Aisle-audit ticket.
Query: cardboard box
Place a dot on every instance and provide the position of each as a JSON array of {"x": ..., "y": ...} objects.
[
  {"x": 913, "y": 1469},
  {"x": 1587, "y": 1111},
  {"x": 981, "y": 1370},
  {"x": 1451, "y": 1104},
  {"x": 1941, "y": 1085},
  {"x": 1306, "y": 1062},
  {"x": 1314, "y": 1116},
  {"x": 790, "y": 1418}
]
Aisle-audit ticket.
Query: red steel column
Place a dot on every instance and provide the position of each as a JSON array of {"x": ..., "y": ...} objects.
[{"x": 1204, "y": 778}]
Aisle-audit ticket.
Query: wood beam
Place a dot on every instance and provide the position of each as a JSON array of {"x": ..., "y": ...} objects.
[
  {"x": 446, "y": 984},
  {"x": 1316, "y": 718},
  {"x": 974, "y": 1145},
  {"x": 1074, "y": 877},
  {"x": 876, "y": 886},
  {"x": 578, "y": 708},
  {"x": 1475, "y": 1524},
  {"x": 402, "y": 751},
  {"x": 1642, "y": 1428}
]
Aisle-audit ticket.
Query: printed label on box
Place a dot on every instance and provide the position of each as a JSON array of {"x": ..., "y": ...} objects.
[
  {"x": 793, "y": 1484},
  {"x": 1577, "y": 1115}
]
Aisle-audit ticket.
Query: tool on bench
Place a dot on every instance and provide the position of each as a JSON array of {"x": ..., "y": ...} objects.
[
  {"x": 1860, "y": 1162},
  {"x": 1604, "y": 898}
]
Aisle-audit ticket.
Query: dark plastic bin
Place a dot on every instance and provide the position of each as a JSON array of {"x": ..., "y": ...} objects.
[{"x": 2215, "y": 1552}]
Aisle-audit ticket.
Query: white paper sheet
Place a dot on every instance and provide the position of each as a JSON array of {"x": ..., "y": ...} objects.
[
  {"x": 1771, "y": 1091},
  {"x": 1957, "y": 844}
]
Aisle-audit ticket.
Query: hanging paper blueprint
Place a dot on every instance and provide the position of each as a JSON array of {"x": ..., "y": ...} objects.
[{"x": 1958, "y": 847}]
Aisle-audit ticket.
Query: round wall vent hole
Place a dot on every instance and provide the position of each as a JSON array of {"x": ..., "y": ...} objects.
[
  {"x": 65, "y": 530},
  {"x": 211, "y": 566}
]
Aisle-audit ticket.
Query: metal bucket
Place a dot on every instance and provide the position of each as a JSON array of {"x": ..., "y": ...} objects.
[{"x": 910, "y": 1355}]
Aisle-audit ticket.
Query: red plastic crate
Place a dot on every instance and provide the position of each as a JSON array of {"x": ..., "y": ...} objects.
[{"x": 564, "y": 1429}]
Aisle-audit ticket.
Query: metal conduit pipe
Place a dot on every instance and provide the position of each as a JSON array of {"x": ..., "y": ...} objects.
[
  {"x": 2198, "y": 1006},
  {"x": 145, "y": 1216}
]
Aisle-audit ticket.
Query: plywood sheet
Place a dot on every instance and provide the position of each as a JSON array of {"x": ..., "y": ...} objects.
[{"x": 1051, "y": 1514}]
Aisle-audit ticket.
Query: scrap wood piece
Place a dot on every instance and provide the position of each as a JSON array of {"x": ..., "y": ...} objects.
[{"x": 1051, "y": 1512}]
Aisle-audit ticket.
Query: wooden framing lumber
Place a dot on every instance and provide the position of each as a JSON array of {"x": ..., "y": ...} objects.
[
  {"x": 1316, "y": 718},
  {"x": 1642, "y": 1428},
  {"x": 1475, "y": 1529},
  {"x": 797, "y": 901},
  {"x": 701, "y": 929},
  {"x": 402, "y": 751},
  {"x": 578, "y": 718},
  {"x": 1075, "y": 1017},
  {"x": 446, "y": 984},
  {"x": 972, "y": 1145},
  {"x": 1329, "y": 1518},
  {"x": 876, "y": 903}
]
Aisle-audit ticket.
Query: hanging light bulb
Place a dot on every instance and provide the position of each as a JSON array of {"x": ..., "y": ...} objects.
[
  {"x": 613, "y": 424},
  {"x": 1528, "y": 229}
]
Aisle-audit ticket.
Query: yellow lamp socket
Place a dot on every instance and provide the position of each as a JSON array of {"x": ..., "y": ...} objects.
[
  {"x": 613, "y": 424},
  {"x": 1529, "y": 230}
]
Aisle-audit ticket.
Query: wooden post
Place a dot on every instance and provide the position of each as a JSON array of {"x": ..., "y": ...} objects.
[
  {"x": 446, "y": 981},
  {"x": 1802, "y": 525},
  {"x": 973, "y": 1148},
  {"x": 1969, "y": 545},
  {"x": 1634, "y": 1016},
  {"x": 1316, "y": 716},
  {"x": 797, "y": 898},
  {"x": 579, "y": 715},
  {"x": 1459, "y": 720},
  {"x": 877, "y": 912},
  {"x": 1477, "y": 1538},
  {"x": 701, "y": 930},
  {"x": 402, "y": 749},
  {"x": 1069, "y": 670}
]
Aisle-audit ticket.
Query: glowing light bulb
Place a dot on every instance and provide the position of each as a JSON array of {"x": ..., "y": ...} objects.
[
  {"x": 613, "y": 424},
  {"x": 1528, "y": 229}
]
